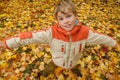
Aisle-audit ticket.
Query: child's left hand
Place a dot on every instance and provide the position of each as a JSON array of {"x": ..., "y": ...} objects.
[
  {"x": 116, "y": 46},
  {"x": 105, "y": 48}
]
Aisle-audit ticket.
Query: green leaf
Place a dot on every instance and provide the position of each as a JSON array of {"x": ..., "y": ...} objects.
[
  {"x": 19, "y": 50},
  {"x": 29, "y": 68},
  {"x": 103, "y": 77},
  {"x": 1, "y": 26},
  {"x": 93, "y": 57}
]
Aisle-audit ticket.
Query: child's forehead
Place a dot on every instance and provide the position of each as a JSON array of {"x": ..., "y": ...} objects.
[{"x": 60, "y": 13}]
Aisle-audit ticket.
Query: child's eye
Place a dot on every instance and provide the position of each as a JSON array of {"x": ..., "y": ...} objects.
[
  {"x": 60, "y": 18},
  {"x": 68, "y": 16}
]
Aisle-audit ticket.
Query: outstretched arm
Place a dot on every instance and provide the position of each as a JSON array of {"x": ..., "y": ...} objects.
[
  {"x": 27, "y": 38},
  {"x": 96, "y": 38}
]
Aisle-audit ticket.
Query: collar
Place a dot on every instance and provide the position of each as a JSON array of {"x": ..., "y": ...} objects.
[{"x": 79, "y": 32}]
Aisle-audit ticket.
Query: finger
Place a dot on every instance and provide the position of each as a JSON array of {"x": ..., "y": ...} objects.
[{"x": 2, "y": 49}]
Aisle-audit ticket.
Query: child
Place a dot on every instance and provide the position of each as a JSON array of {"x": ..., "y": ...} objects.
[{"x": 67, "y": 38}]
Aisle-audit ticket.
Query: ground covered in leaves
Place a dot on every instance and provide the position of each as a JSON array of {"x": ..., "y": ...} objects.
[{"x": 25, "y": 62}]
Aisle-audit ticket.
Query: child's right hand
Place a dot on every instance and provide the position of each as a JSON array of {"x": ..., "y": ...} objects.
[{"x": 2, "y": 46}]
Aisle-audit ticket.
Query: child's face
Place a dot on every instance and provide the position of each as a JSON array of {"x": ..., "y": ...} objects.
[{"x": 66, "y": 20}]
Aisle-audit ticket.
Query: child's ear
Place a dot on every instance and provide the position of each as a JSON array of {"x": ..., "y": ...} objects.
[{"x": 76, "y": 22}]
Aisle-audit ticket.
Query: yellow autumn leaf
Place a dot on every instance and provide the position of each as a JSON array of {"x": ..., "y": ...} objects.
[
  {"x": 41, "y": 67},
  {"x": 41, "y": 78},
  {"x": 33, "y": 58},
  {"x": 9, "y": 24},
  {"x": 3, "y": 64},
  {"x": 13, "y": 56},
  {"x": 8, "y": 55},
  {"x": 58, "y": 71},
  {"x": 23, "y": 58},
  {"x": 115, "y": 60},
  {"x": 3, "y": 15},
  {"x": 103, "y": 66},
  {"x": 82, "y": 63},
  {"x": 61, "y": 77},
  {"x": 88, "y": 59},
  {"x": 17, "y": 71},
  {"x": 22, "y": 68},
  {"x": 102, "y": 53},
  {"x": 41, "y": 53},
  {"x": 24, "y": 48}
]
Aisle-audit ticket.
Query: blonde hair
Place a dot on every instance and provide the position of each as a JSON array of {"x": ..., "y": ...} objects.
[{"x": 62, "y": 5}]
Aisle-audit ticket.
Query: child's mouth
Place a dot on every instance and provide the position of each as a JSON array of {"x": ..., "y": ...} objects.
[{"x": 68, "y": 26}]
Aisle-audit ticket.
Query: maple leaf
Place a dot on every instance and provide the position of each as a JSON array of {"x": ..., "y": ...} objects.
[{"x": 29, "y": 68}]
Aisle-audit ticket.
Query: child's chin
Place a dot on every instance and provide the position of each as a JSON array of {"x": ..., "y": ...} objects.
[{"x": 68, "y": 29}]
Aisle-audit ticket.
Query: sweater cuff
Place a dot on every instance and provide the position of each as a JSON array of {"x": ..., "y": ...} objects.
[{"x": 6, "y": 46}]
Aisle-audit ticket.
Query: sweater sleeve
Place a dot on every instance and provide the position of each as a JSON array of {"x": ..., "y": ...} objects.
[
  {"x": 27, "y": 38},
  {"x": 96, "y": 38}
]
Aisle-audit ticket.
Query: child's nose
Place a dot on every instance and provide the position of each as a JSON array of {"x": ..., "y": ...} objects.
[{"x": 66, "y": 21}]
